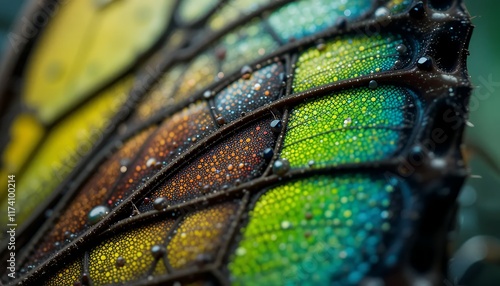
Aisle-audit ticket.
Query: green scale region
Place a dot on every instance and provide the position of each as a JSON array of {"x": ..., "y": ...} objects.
[
  {"x": 317, "y": 231},
  {"x": 352, "y": 126},
  {"x": 307, "y": 17},
  {"x": 345, "y": 58}
]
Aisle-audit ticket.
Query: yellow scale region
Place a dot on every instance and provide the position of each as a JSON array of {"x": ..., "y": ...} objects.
[
  {"x": 68, "y": 275},
  {"x": 25, "y": 134},
  {"x": 134, "y": 247},
  {"x": 64, "y": 146},
  {"x": 85, "y": 45},
  {"x": 200, "y": 235}
]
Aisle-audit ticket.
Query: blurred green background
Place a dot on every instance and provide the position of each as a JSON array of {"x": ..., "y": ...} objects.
[
  {"x": 483, "y": 216},
  {"x": 480, "y": 198}
]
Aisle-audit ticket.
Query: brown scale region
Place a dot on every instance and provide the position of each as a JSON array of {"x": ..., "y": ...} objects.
[
  {"x": 235, "y": 160},
  {"x": 74, "y": 218},
  {"x": 175, "y": 135}
]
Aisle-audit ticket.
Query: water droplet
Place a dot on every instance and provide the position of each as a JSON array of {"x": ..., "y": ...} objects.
[
  {"x": 67, "y": 234},
  {"x": 286, "y": 224},
  {"x": 160, "y": 203},
  {"x": 257, "y": 86},
  {"x": 151, "y": 162},
  {"x": 123, "y": 169},
  {"x": 220, "y": 53},
  {"x": 424, "y": 63},
  {"x": 308, "y": 216},
  {"x": 246, "y": 72},
  {"x": 402, "y": 49},
  {"x": 267, "y": 153},
  {"x": 207, "y": 94},
  {"x": 203, "y": 258},
  {"x": 382, "y": 12},
  {"x": 417, "y": 152},
  {"x": 157, "y": 251},
  {"x": 276, "y": 125},
  {"x": 97, "y": 214},
  {"x": 281, "y": 167},
  {"x": 468, "y": 196},
  {"x": 206, "y": 189},
  {"x": 341, "y": 23},
  {"x": 220, "y": 120},
  {"x": 373, "y": 84},
  {"x": 417, "y": 11},
  {"x": 347, "y": 121},
  {"x": 120, "y": 261},
  {"x": 321, "y": 46},
  {"x": 438, "y": 163},
  {"x": 311, "y": 163},
  {"x": 85, "y": 278},
  {"x": 240, "y": 251}
]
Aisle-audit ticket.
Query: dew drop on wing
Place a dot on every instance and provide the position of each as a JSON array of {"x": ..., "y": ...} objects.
[{"x": 97, "y": 214}]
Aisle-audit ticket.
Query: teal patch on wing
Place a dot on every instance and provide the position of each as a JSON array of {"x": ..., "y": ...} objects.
[
  {"x": 245, "y": 45},
  {"x": 316, "y": 231},
  {"x": 352, "y": 126},
  {"x": 307, "y": 17}
]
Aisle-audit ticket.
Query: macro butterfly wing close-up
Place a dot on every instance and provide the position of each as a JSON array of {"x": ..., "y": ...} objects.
[{"x": 234, "y": 142}]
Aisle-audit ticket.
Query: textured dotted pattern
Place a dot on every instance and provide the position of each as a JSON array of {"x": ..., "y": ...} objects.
[
  {"x": 74, "y": 218},
  {"x": 173, "y": 137},
  {"x": 304, "y": 18},
  {"x": 245, "y": 45},
  {"x": 246, "y": 95},
  {"x": 201, "y": 72},
  {"x": 199, "y": 236},
  {"x": 134, "y": 246},
  {"x": 345, "y": 58},
  {"x": 160, "y": 97},
  {"x": 353, "y": 126},
  {"x": 68, "y": 275},
  {"x": 316, "y": 231},
  {"x": 237, "y": 158}
]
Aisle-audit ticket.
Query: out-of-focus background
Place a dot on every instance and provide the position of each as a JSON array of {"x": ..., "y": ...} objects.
[
  {"x": 480, "y": 198},
  {"x": 478, "y": 232}
]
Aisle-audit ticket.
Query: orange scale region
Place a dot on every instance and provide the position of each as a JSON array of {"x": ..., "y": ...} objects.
[
  {"x": 175, "y": 135},
  {"x": 200, "y": 235},
  {"x": 97, "y": 188},
  {"x": 237, "y": 158}
]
